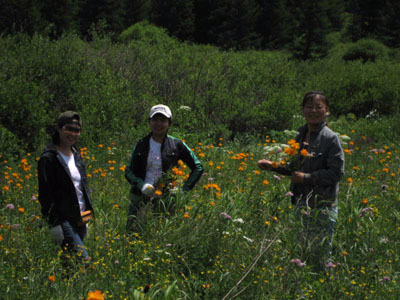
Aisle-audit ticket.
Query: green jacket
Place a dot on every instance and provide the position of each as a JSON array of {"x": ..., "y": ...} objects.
[{"x": 172, "y": 150}]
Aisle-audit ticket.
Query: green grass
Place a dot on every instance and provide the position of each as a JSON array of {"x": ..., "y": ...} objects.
[{"x": 197, "y": 252}]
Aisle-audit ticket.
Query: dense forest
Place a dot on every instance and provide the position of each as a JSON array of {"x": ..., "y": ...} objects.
[{"x": 306, "y": 28}]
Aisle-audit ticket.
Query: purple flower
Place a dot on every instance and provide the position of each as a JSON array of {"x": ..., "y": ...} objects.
[
  {"x": 386, "y": 278},
  {"x": 330, "y": 265},
  {"x": 34, "y": 198},
  {"x": 10, "y": 206},
  {"x": 116, "y": 262},
  {"x": 15, "y": 226},
  {"x": 289, "y": 194},
  {"x": 298, "y": 262},
  {"x": 168, "y": 245},
  {"x": 373, "y": 151},
  {"x": 225, "y": 215}
]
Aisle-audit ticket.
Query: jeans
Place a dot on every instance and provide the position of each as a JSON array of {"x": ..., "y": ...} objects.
[{"x": 73, "y": 239}]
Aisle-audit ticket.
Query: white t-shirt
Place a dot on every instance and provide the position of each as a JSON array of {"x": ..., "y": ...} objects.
[
  {"x": 76, "y": 178},
  {"x": 154, "y": 163}
]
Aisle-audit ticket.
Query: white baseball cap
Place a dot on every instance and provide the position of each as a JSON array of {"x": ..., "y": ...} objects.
[{"x": 160, "y": 109}]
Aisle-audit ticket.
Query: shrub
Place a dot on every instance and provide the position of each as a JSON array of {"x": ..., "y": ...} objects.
[
  {"x": 366, "y": 50},
  {"x": 146, "y": 33}
]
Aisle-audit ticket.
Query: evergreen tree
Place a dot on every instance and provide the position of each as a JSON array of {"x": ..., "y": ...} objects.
[
  {"x": 274, "y": 24},
  {"x": 20, "y": 16},
  {"x": 176, "y": 16},
  {"x": 94, "y": 11},
  {"x": 233, "y": 24},
  {"x": 62, "y": 14},
  {"x": 311, "y": 23},
  {"x": 136, "y": 11}
]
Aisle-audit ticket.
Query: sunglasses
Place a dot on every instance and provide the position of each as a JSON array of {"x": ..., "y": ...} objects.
[{"x": 72, "y": 129}]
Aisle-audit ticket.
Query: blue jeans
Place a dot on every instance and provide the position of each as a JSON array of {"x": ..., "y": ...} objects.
[{"x": 73, "y": 239}]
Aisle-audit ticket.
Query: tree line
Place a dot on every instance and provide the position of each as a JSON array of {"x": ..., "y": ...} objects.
[{"x": 306, "y": 28}]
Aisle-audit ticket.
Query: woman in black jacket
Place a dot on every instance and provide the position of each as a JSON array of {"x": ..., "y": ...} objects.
[{"x": 63, "y": 188}]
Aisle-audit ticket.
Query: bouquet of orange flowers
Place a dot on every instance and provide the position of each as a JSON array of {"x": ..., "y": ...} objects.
[
  {"x": 171, "y": 181},
  {"x": 288, "y": 155}
]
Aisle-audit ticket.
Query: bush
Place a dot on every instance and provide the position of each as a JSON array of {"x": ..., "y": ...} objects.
[
  {"x": 366, "y": 50},
  {"x": 146, "y": 33}
]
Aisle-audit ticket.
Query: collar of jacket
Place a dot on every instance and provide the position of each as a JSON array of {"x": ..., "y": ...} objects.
[{"x": 303, "y": 130}]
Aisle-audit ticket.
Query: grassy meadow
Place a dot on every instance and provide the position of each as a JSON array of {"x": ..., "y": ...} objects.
[{"x": 233, "y": 237}]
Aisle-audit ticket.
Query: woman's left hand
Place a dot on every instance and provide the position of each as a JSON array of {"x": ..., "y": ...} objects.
[{"x": 297, "y": 177}]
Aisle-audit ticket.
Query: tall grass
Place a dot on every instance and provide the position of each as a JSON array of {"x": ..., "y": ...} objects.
[{"x": 233, "y": 237}]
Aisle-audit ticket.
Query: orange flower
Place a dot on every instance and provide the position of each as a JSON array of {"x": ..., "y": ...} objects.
[
  {"x": 6, "y": 188},
  {"x": 52, "y": 278},
  {"x": 304, "y": 152},
  {"x": 158, "y": 193},
  {"x": 21, "y": 209},
  {"x": 365, "y": 201},
  {"x": 212, "y": 203},
  {"x": 265, "y": 182},
  {"x": 350, "y": 180},
  {"x": 274, "y": 164},
  {"x": 1, "y": 237},
  {"x": 186, "y": 215},
  {"x": 96, "y": 295}
]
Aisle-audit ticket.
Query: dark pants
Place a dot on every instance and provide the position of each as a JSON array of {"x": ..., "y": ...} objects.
[
  {"x": 73, "y": 239},
  {"x": 141, "y": 205}
]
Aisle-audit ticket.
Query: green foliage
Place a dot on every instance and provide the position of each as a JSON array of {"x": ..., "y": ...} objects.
[
  {"x": 144, "y": 32},
  {"x": 366, "y": 50},
  {"x": 227, "y": 93}
]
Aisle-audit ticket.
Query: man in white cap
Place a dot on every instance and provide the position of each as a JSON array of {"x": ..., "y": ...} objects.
[{"x": 151, "y": 157}]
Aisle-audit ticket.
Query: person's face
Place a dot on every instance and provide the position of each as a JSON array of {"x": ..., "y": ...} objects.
[
  {"x": 69, "y": 134},
  {"x": 315, "y": 111},
  {"x": 159, "y": 125}
]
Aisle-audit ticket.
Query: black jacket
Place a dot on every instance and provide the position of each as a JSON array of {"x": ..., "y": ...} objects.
[
  {"x": 57, "y": 194},
  {"x": 172, "y": 150}
]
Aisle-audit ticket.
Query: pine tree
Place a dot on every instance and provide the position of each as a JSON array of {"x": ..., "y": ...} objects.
[
  {"x": 176, "y": 16},
  {"x": 136, "y": 11},
  {"x": 233, "y": 24}
]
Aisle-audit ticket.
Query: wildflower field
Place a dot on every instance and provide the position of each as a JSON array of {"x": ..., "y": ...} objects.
[{"x": 233, "y": 237}]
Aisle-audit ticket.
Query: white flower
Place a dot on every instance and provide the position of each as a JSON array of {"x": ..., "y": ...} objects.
[
  {"x": 238, "y": 220},
  {"x": 184, "y": 108},
  {"x": 248, "y": 239}
]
